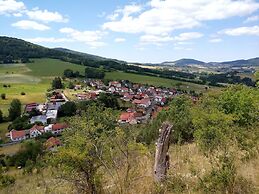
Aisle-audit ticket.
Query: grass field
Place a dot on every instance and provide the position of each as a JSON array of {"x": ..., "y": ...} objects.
[
  {"x": 156, "y": 81},
  {"x": 51, "y": 67},
  {"x": 35, "y": 78}
]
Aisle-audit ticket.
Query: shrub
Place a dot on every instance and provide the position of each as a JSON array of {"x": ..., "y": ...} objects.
[
  {"x": 3, "y": 96},
  {"x": 6, "y": 180},
  {"x": 23, "y": 93}
]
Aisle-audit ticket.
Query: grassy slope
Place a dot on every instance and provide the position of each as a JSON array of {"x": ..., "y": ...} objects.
[
  {"x": 156, "y": 81},
  {"x": 51, "y": 67},
  {"x": 35, "y": 78}
]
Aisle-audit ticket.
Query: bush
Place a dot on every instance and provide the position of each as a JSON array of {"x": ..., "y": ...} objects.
[
  {"x": 6, "y": 180},
  {"x": 23, "y": 93},
  {"x": 3, "y": 96}
]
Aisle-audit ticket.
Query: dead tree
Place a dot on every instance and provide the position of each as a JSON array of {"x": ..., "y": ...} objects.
[{"x": 162, "y": 157}]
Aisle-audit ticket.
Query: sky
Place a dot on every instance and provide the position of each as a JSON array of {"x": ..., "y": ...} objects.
[{"x": 140, "y": 30}]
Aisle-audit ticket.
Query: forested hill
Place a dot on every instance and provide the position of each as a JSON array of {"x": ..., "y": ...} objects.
[{"x": 13, "y": 49}]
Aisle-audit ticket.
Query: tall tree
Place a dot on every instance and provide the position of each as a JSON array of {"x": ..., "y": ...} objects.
[
  {"x": 15, "y": 109},
  {"x": 57, "y": 83}
]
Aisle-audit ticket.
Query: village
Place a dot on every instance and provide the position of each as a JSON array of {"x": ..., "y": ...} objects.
[{"x": 144, "y": 104}]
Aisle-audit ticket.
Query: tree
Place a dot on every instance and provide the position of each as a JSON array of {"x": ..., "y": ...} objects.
[
  {"x": 57, "y": 83},
  {"x": 3, "y": 96},
  {"x": 68, "y": 73},
  {"x": 30, "y": 150},
  {"x": 95, "y": 149},
  {"x": 71, "y": 85},
  {"x": 94, "y": 73},
  {"x": 109, "y": 101},
  {"x": 15, "y": 109},
  {"x": 67, "y": 109},
  {"x": 226, "y": 131},
  {"x": 179, "y": 114},
  {"x": 1, "y": 117}
]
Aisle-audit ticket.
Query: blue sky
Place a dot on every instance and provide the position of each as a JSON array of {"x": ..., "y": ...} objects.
[{"x": 140, "y": 30}]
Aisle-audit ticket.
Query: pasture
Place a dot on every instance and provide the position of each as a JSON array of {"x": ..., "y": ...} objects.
[{"x": 51, "y": 67}]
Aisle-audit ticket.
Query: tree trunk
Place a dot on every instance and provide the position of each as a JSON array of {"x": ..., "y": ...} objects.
[{"x": 162, "y": 157}]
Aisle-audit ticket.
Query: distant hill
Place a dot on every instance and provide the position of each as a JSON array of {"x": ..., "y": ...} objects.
[
  {"x": 13, "y": 49},
  {"x": 236, "y": 63},
  {"x": 89, "y": 56},
  {"x": 184, "y": 62}
]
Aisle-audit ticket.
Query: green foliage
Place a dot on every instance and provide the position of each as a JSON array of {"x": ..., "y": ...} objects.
[
  {"x": 30, "y": 150},
  {"x": 71, "y": 85},
  {"x": 15, "y": 109},
  {"x": 179, "y": 113},
  {"x": 94, "y": 73},
  {"x": 57, "y": 83},
  {"x": 94, "y": 146},
  {"x": 20, "y": 123},
  {"x": 71, "y": 74},
  {"x": 5, "y": 180},
  {"x": 224, "y": 179},
  {"x": 67, "y": 109},
  {"x": 109, "y": 101},
  {"x": 242, "y": 102},
  {"x": 3, "y": 96}
]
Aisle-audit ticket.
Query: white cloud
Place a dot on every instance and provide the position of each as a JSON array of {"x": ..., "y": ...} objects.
[
  {"x": 91, "y": 38},
  {"x": 45, "y": 16},
  {"x": 252, "y": 19},
  {"x": 155, "y": 39},
  {"x": 30, "y": 25},
  {"x": 215, "y": 40},
  {"x": 48, "y": 40},
  {"x": 252, "y": 30},
  {"x": 11, "y": 7},
  {"x": 162, "y": 17},
  {"x": 188, "y": 36},
  {"x": 119, "y": 40}
]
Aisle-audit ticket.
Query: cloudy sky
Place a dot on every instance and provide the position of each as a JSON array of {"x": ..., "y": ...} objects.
[{"x": 140, "y": 30}]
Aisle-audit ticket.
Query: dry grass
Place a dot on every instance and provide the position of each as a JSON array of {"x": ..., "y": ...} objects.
[{"x": 186, "y": 162}]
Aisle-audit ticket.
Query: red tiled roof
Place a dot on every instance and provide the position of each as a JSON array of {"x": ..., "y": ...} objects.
[
  {"x": 37, "y": 127},
  {"x": 17, "y": 134},
  {"x": 126, "y": 116},
  {"x": 51, "y": 142},
  {"x": 59, "y": 126}
]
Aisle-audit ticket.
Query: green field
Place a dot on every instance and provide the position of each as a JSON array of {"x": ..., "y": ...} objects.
[
  {"x": 35, "y": 78},
  {"x": 51, "y": 67},
  {"x": 156, "y": 81}
]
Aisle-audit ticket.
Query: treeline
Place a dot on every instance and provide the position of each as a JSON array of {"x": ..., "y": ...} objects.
[{"x": 228, "y": 78}]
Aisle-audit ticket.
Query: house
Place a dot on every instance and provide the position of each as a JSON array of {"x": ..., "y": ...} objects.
[
  {"x": 40, "y": 118},
  {"x": 112, "y": 89},
  {"x": 78, "y": 87},
  {"x": 116, "y": 84},
  {"x": 17, "y": 135},
  {"x": 52, "y": 143},
  {"x": 127, "y": 117},
  {"x": 82, "y": 96},
  {"x": 36, "y": 131},
  {"x": 54, "y": 105},
  {"x": 30, "y": 107},
  {"x": 58, "y": 128},
  {"x": 127, "y": 97},
  {"x": 145, "y": 102},
  {"x": 51, "y": 115}
]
